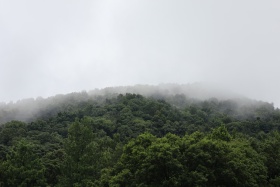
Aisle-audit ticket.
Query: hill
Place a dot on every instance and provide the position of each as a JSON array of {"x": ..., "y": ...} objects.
[
  {"x": 162, "y": 138},
  {"x": 180, "y": 96}
]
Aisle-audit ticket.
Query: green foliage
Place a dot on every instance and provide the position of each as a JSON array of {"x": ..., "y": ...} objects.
[
  {"x": 194, "y": 160},
  {"x": 131, "y": 140},
  {"x": 149, "y": 161},
  {"x": 23, "y": 166},
  {"x": 221, "y": 133},
  {"x": 212, "y": 162},
  {"x": 11, "y": 131},
  {"x": 80, "y": 162},
  {"x": 271, "y": 150}
]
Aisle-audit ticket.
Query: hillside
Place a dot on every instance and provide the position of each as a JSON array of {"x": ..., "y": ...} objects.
[
  {"x": 163, "y": 137},
  {"x": 180, "y": 96}
]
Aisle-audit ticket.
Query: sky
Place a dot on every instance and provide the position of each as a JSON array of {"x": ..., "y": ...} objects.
[{"x": 62, "y": 46}]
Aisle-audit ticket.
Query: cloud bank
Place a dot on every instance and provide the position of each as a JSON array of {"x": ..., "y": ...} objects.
[{"x": 50, "y": 47}]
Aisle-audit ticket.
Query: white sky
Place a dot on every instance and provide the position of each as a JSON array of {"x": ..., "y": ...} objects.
[{"x": 60, "y": 46}]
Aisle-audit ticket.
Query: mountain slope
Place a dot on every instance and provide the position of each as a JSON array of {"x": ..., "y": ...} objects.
[{"x": 177, "y": 95}]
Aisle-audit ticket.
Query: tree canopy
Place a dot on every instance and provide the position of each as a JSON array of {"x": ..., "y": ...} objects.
[{"x": 132, "y": 140}]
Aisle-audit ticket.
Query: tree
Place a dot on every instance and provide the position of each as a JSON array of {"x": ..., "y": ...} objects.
[
  {"x": 271, "y": 150},
  {"x": 23, "y": 166},
  {"x": 149, "y": 161},
  {"x": 11, "y": 131},
  {"x": 217, "y": 160},
  {"x": 80, "y": 164}
]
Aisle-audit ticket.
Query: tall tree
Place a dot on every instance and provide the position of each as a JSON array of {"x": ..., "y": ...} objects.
[
  {"x": 23, "y": 166},
  {"x": 80, "y": 164}
]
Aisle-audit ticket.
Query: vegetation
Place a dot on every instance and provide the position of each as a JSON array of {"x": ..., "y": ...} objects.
[{"x": 132, "y": 140}]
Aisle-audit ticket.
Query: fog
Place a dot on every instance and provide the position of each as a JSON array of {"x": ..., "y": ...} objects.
[{"x": 51, "y": 47}]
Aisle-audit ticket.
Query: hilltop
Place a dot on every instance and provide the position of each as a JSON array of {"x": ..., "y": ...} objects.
[
  {"x": 180, "y": 96},
  {"x": 109, "y": 137}
]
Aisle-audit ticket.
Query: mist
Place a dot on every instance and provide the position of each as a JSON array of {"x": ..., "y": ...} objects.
[
  {"x": 179, "y": 96},
  {"x": 57, "y": 47}
]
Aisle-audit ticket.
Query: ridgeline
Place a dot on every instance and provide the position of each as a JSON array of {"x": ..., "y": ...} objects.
[{"x": 122, "y": 136}]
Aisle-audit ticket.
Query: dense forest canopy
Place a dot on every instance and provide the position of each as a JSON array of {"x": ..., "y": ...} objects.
[
  {"x": 180, "y": 96},
  {"x": 161, "y": 136}
]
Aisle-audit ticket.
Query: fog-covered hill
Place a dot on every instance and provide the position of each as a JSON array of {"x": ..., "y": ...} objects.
[
  {"x": 178, "y": 95},
  {"x": 89, "y": 139}
]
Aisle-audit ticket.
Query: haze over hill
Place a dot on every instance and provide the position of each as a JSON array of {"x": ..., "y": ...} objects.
[
  {"x": 180, "y": 96},
  {"x": 51, "y": 47},
  {"x": 168, "y": 137}
]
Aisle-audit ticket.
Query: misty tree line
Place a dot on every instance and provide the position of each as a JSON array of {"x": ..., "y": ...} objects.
[
  {"x": 180, "y": 96},
  {"x": 132, "y": 140}
]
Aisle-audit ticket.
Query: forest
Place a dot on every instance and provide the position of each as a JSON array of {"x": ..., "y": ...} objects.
[{"x": 148, "y": 140}]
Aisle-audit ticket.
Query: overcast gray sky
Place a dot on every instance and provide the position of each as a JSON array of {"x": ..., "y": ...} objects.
[{"x": 60, "y": 46}]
